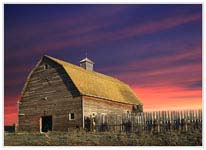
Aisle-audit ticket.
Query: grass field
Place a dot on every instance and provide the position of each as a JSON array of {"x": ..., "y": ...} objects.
[{"x": 192, "y": 138}]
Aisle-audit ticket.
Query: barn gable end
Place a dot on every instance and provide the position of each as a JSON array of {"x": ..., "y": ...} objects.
[{"x": 49, "y": 91}]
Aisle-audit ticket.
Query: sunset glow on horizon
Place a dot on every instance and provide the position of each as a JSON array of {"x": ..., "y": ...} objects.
[{"x": 156, "y": 49}]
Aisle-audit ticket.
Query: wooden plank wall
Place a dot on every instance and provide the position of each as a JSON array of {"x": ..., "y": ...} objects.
[
  {"x": 97, "y": 105},
  {"x": 50, "y": 92}
]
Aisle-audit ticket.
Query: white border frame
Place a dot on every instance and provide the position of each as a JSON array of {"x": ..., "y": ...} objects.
[{"x": 100, "y": 2}]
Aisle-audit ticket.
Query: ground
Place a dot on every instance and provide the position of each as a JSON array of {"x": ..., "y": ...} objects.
[{"x": 192, "y": 138}]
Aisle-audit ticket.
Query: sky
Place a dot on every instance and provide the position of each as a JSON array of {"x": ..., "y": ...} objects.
[{"x": 156, "y": 49}]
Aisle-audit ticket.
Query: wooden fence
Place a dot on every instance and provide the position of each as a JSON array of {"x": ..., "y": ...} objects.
[{"x": 158, "y": 121}]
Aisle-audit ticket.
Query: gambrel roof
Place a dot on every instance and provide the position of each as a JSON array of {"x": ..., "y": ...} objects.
[{"x": 95, "y": 84}]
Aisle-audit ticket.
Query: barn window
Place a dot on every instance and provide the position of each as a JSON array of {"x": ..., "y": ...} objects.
[
  {"x": 71, "y": 116},
  {"x": 46, "y": 66}
]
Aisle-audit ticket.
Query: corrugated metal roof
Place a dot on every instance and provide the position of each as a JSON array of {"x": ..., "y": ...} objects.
[{"x": 99, "y": 85}]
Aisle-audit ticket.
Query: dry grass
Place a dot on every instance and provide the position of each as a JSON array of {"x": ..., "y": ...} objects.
[{"x": 192, "y": 138}]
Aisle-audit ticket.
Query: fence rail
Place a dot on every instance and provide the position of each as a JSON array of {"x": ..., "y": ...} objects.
[{"x": 158, "y": 121}]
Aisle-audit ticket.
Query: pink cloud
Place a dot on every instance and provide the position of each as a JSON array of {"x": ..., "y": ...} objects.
[
  {"x": 10, "y": 109},
  {"x": 169, "y": 98}
]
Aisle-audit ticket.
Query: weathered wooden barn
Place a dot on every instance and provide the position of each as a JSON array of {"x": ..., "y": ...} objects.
[{"x": 58, "y": 96}]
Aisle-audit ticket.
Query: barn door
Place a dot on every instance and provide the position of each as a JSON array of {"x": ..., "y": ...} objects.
[{"x": 46, "y": 123}]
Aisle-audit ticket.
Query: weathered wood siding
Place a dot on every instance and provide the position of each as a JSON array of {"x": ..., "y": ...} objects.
[
  {"x": 49, "y": 92},
  {"x": 96, "y": 105}
]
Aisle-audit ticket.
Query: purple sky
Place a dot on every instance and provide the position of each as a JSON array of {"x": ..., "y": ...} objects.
[{"x": 156, "y": 49}]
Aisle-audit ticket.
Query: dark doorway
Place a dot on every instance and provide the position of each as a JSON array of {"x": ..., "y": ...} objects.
[{"x": 46, "y": 123}]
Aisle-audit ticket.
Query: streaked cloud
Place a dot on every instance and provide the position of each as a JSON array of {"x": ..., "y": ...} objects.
[{"x": 156, "y": 49}]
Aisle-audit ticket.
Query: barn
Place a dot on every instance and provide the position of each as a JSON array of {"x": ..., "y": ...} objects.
[{"x": 58, "y": 95}]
